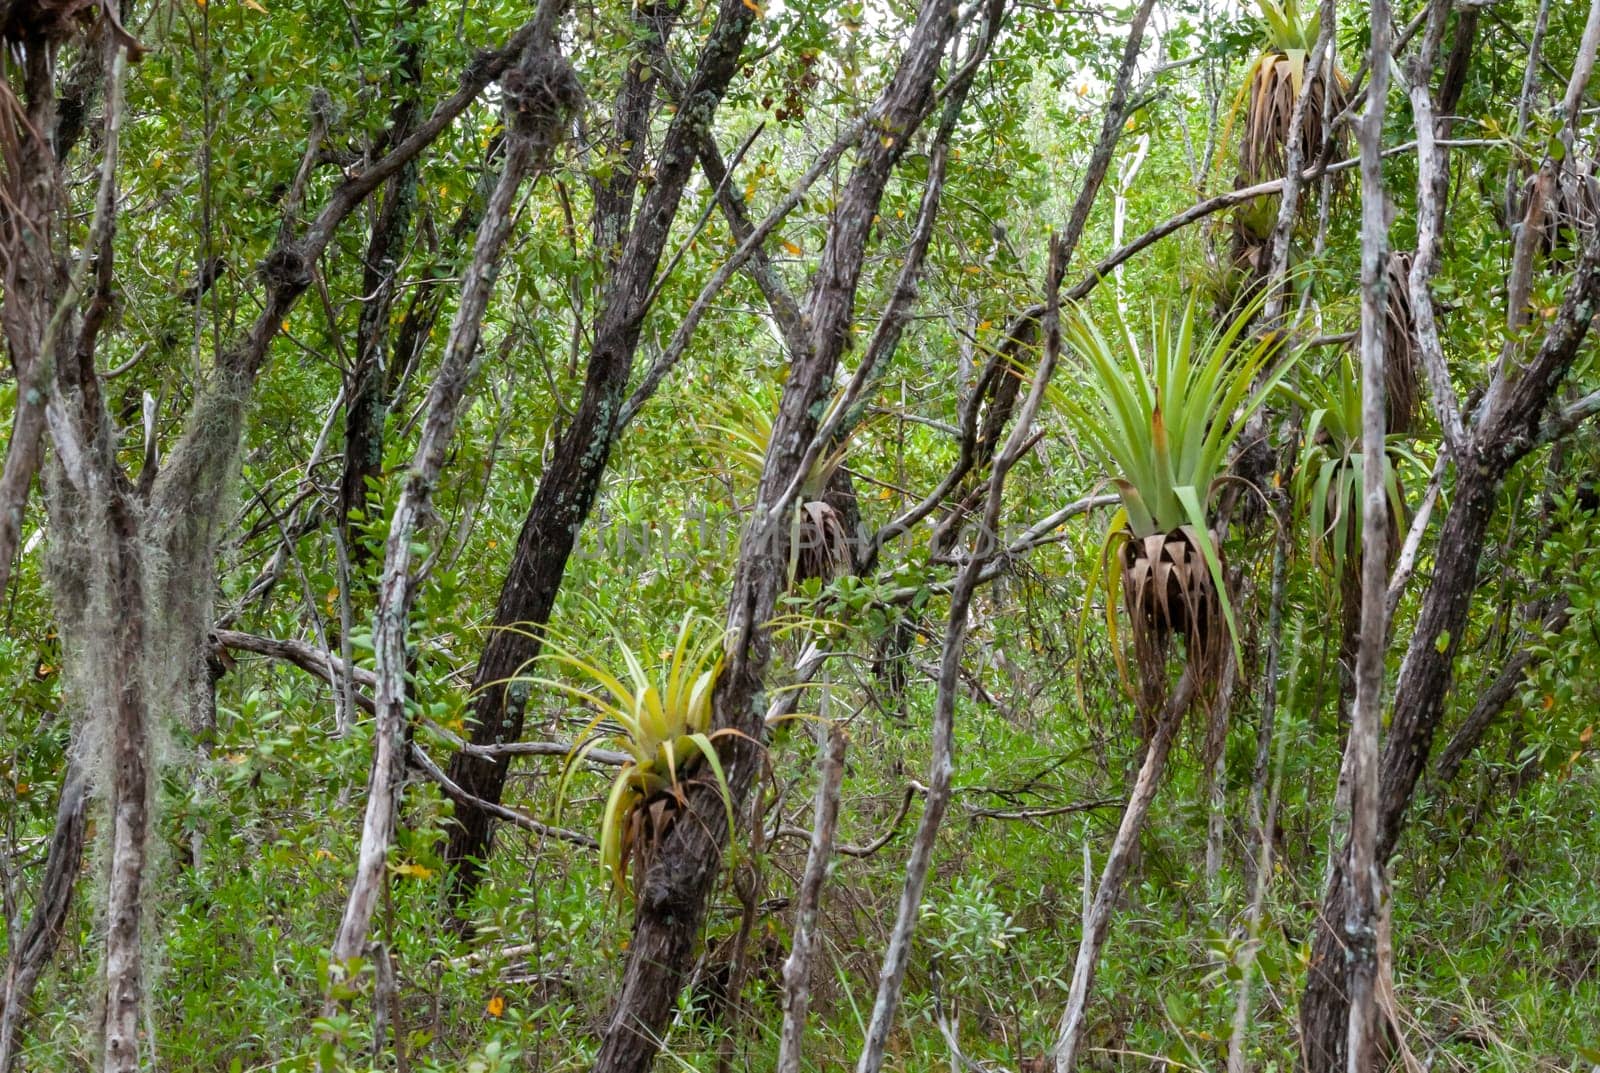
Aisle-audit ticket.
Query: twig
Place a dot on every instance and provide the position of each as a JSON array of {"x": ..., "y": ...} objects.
[
  {"x": 1406, "y": 562},
  {"x": 512, "y": 816}
]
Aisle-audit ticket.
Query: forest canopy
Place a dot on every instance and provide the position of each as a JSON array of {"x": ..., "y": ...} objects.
[{"x": 1001, "y": 534}]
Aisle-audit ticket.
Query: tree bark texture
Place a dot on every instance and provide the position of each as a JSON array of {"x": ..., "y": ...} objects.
[
  {"x": 539, "y": 92},
  {"x": 570, "y": 483},
  {"x": 1514, "y": 425},
  {"x": 671, "y": 898}
]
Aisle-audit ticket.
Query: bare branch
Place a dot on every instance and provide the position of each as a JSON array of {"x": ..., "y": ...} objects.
[
  {"x": 500, "y": 812},
  {"x": 539, "y": 93},
  {"x": 1097, "y": 917},
  {"x": 1431, "y": 170},
  {"x": 679, "y": 343},
  {"x": 1406, "y": 563}
]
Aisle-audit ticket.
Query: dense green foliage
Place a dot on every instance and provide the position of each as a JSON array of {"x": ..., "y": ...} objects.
[{"x": 1496, "y": 925}]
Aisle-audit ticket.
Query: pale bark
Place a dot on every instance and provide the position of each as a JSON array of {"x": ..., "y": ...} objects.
[
  {"x": 539, "y": 92},
  {"x": 1364, "y": 875},
  {"x": 1432, "y": 165},
  {"x": 1097, "y": 922},
  {"x": 941, "y": 765},
  {"x": 797, "y": 969}
]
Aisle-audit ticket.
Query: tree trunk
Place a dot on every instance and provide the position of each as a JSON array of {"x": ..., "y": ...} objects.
[
  {"x": 672, "y": 895},
  {"x": 367, "y": 386},
  {"x": 37, "y": 943},
  {"x": 539, "y": 93},
  {"x": 568, "y": 488},
  {"x": 797, "y": 969},
  {"x": 1097, "y": 922}
]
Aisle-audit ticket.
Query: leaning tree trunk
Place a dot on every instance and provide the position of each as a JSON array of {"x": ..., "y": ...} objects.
[
  {"x": 1517, "y": 422},
  {"x": 672, "y": 895},
  {"x": 36, "y": 944},
  {"x": 366, "y": 388},
  {"x": 539, "y": 94},
  {"x": 133, "y": 565},
  {"x": 1097, "y": 922},
  {"x": 568, "y": 488},
  {"x": 1363, "y": 873}
]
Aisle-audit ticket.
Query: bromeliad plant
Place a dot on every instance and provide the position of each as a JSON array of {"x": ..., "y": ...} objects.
[
  {"x": 819, "y": 539},
  {"x": 661, "y": 717},
  {"x": 1271, "y": 86},
  {"x": 1163, "y": 426},
  {"x": 1273, "y": 83},
  {"x": 1327, "y": 480}
]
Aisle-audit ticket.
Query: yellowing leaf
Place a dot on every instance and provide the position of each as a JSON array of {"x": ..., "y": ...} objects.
[
  {"x": 411, "y": 868},
  {"x": 253, "y": 6}
]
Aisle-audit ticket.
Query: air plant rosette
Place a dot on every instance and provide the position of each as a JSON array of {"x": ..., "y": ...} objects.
[
  {"x": 1271, "y": 86},
  {"x": 817, "y": 541},
  {"x": 1402, "y": 395},
  {"x": 1163, "y": 424},
  {"x": 661, "y": 717},
  {"x": 1326, "y": 486}
]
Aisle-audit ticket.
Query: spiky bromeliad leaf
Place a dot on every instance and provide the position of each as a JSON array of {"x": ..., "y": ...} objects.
[
  {"x": 1163, "y": 427},
  {"x": 1327, "y": 482},
  {"x": 659, "y": 715},
  {"x": 819, "y": 541},
  {"x": 1271, "y": 85}
]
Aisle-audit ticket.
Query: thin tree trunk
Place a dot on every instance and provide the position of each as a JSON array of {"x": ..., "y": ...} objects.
[
  {"x": 36, "y": 944},
  {"x": 1516, "y": 422},
  {"x": 1216, "y": 754},
  {"x": 130, "y": 791},
  {"x": 1266, "y": 822},
  {"x": 797, "y": 969},
  {"x": 1364, "y": 877},
  {"x": 941, "y": 765},
  {"x": 366, "y": 383},
  {"x": 33, "y": 280},
  {"x": 1097, "y": 923},
  {"x": 1318, "y": 76},
  {"x": 671, "y": 897},
  {"x": 568, "y": 488},
  {"x": 539, "y": 91}
]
